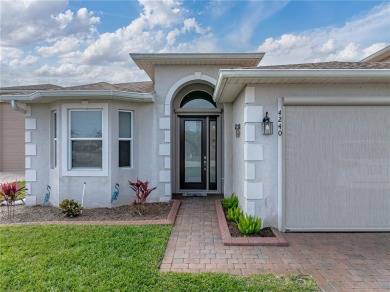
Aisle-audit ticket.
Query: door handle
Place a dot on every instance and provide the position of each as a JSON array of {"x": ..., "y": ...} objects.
[{"x": 205, "y": 163}]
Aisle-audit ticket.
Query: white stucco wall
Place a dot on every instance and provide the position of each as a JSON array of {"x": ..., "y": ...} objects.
[
  {"x": 228, "y": 139},
  {"x": 238, "y": 150}
]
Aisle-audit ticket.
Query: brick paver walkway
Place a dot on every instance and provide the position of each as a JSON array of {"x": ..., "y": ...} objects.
[{"x": 337, "y": 261}]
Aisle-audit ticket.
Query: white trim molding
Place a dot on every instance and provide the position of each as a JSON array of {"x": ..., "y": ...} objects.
[{"x": 173, "y": 90}]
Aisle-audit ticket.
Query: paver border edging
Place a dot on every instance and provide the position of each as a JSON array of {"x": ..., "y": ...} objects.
[
  {"x": 169, "y": 221},
  {"x": 278, "y": 240}
]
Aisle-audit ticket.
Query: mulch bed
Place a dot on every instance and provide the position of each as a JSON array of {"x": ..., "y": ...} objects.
[
  {"x": 23, "y": 214},
  {"x": 235, "y": 232}
]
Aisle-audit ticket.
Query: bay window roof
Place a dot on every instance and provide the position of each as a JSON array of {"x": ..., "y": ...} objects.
[{"x": 46, "y": 93}]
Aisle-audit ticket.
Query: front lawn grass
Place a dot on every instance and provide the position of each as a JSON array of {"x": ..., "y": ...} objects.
[{"x": 110, "y": 258}]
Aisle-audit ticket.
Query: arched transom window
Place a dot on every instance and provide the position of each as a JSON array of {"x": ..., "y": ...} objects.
[{"x": 197, "y": 99}]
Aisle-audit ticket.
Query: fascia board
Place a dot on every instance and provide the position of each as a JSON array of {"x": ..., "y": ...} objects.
[
  {"x": 294, "y": 74},
  {"x": 85, "y": 94},
  {"x": 148, "y": 62},
  {"x": 306, "y": 73}
]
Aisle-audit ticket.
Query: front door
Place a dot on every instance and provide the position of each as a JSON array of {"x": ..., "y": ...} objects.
[{"x": 198, "y": 153}]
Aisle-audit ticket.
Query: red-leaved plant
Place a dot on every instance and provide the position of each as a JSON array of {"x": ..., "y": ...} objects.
[
  {"x": 141, "y": 193},
  {"x": 11, "y": 192}
]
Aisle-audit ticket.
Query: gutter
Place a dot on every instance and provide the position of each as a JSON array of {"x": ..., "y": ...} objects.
[
  {"x": 91, "y": 94},
  {"x": 16, "y": 107}
]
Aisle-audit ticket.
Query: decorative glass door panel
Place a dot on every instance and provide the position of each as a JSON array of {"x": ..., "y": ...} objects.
[
  {"x": 198, "y": 153},
  {"x": 193, "y": 151},
  {"x": 212, "y": 154}
]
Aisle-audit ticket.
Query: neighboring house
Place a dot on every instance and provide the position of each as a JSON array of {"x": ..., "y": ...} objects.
[
  {"x": 11, "y": 139},
  {"x": 196, "y": 127}
]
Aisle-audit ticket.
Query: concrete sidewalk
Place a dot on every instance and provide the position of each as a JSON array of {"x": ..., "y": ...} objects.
[{"x": 337, "y": 261}]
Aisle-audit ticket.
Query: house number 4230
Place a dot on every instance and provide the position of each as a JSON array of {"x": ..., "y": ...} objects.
[{"x": 280, "y": 127}]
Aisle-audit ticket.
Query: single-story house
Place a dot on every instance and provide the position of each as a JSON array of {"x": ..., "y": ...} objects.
[{"x": 306, "y": 147}]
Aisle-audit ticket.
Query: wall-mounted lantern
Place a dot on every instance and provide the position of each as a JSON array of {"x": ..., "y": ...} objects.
[
  {"x": 267, "y": 125},
  {"x": 237, "y": 127}
]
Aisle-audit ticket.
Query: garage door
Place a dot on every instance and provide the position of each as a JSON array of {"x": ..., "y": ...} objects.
[{"x": 337, "y": 168}]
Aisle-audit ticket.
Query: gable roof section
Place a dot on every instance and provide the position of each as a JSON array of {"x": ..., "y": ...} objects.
[
  {"x": 44, "y": 93},
  {"x": 148, "y": 62},
  {"x": 232, "y": 81}
]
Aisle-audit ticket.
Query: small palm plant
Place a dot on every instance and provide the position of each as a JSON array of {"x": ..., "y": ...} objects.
[
  {"x": 11, "y": 192},
  {"x": 249, "y": 225},
  {"x": 234, "y": 214}
]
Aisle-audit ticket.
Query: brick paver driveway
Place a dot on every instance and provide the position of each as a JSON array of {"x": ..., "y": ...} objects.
[{"x": 337, "y": 261}]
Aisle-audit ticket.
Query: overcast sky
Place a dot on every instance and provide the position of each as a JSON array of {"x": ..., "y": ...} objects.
[{"x": 78, "y": 42}]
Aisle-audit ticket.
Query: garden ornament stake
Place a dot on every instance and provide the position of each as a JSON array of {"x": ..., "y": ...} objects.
[
  {"x": 115, "y": 194},
  {"x": 46, "y": 200},
  {"x": 82, "y": 198}
]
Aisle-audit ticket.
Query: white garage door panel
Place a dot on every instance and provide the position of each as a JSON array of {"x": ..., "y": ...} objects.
[{"x": 337, "y": 167}]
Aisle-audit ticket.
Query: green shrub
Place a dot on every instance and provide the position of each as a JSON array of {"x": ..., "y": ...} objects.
[
  {"x": 249, "y": 225},
  {"x": 71, "y": 208},
  {"x": 234, "y": 214},
  {"x": 230, "y": 202}
]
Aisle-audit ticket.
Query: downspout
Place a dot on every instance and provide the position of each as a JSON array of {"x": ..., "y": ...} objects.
[{"x": 16, "y": 107}]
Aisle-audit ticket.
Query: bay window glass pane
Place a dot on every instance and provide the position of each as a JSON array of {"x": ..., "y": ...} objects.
[
  {"x": 55, "y": 125},
  {"x": 86, "y": 154},
  {"x": 124, "y": 153},
  {"x": 86, "y": 124},
  {"x": 55, "y": 153},
  {"x": 124, "y": 124}
]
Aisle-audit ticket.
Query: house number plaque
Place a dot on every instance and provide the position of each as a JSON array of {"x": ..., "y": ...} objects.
[{"x": 280, "y": 132}]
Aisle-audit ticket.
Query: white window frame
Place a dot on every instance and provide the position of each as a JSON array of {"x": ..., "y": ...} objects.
[
  {"x": 54, "y": 139},
  {"x": 66, "y": 140},
  {"x": 127, "y": 139}
]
